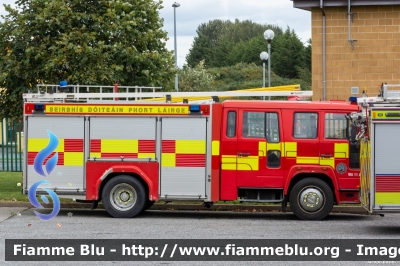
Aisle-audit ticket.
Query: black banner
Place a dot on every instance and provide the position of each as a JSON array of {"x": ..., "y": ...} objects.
[{"x": 387, "y": 250}]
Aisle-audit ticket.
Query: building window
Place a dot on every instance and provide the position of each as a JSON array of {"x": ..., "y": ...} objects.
[
  {"x": 305, "y": 125},
  {"x": 335, "y": 126},
  {"x": 231, "y": 124}
]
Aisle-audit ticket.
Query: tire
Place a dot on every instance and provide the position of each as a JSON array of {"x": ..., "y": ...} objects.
[
  {"x": 311, "y": 199},
  {"x": 124, "y": 196},
  {"x": 148, "y": 205}
]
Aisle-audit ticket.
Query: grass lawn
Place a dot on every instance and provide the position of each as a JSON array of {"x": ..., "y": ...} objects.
[{"x": 10, "y": 191}]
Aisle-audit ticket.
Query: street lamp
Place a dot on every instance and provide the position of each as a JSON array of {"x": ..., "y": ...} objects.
[
  {"x": 264, "y": 57},
  {"x": 269, "y": 35},
  {"x": 175, "y": 5}
]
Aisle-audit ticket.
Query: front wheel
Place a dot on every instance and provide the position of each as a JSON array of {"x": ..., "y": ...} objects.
[
  {"x": 124, "y": 196},
  {"x": 311, "y": 199}
]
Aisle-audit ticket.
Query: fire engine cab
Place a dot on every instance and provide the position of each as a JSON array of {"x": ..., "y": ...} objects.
[
  {"x": 377, "y": 131},
  {"x": 129, "y": 154}
]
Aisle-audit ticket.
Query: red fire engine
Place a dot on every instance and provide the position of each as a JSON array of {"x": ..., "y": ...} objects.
[{"x": 129, "y": 154}]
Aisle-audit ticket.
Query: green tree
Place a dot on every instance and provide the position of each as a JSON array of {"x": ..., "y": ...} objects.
[
  {"x": 287, "y": 55},
  {"x": 195, "y": 79},
  {"x": 83, "y": 42},
  {"x": 307, "y": 55},
  {"x": 205, "y": 44},
  {"x": 220, "y": 43}
]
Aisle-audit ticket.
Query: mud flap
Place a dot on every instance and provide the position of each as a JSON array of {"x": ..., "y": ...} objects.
[
  {"x": 284, "y": 203},
  {"x": 95, "y": 204}
]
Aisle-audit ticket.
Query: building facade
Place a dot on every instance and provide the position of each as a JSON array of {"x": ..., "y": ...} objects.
[{"x": 355, "y": 46}]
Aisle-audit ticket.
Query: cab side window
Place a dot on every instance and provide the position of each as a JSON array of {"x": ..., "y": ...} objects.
[
  {"x": 335, "y": 126},
  {"x": 253, "y": 125},
  {"x": 231, "y": 124},
  {"x": 305, "y": 126},
  {"x": 263, "y": 125}
]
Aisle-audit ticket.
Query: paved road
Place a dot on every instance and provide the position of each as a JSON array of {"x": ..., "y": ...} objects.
[{"x": 85, "y": 224}]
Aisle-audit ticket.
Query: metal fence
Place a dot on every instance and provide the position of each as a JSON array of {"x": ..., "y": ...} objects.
[{"x": 12, "y": 145}]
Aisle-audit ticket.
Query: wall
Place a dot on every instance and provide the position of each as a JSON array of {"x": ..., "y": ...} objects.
[{"x": 375, "y": 58}]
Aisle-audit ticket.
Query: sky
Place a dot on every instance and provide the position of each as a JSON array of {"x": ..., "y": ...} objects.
[{"x": 192, "y": 13}]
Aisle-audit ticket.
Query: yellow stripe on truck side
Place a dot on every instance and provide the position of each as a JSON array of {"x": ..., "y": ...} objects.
[
  {"x": 307, "y": 160},
  {"x": 190, "y": 146},
  {"x": 262, "y": 148},
  {"x": 387, "y": 198},
  {"x": 215, "y": 147},
  {"x": 228, "y": 162},
  {"x": 36, "y": 145},
  {"x": 146, "y": 155},
  {"x": 341, "y": 150},
  {"x": 327, "y": 161},
  {"x": 168, "y": 160},
  {"x": 73, "y": 158},
  {"x": 289, "y": 149},
  {"x": 119, "y": 146},
  {"x": 247, "y": 163}
]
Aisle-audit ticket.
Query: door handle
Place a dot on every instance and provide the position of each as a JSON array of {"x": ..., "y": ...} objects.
[
  {"x": 326, "y": 155},
  {"x": 243, "y": 154}
]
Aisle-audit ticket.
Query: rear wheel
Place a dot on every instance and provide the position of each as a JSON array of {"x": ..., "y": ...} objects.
[
  {"x": 311, "y": 199},
  {"x": 124, "y": 196}
]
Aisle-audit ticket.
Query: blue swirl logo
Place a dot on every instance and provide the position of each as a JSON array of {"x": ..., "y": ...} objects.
[
  {"x": 35, "y": 202},
  {"x": 50, "y": 165},
  {"x": 43, "y": 154}
]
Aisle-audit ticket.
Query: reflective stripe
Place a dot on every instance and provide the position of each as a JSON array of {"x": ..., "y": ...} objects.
[
  {"x": 115, "y": 146},
  {"x": 73, "y": 158},
  {"x": 290, "y": 149},
  {"x": 146, "y": 155},
  {"x": 341, "y": 150},
  {"x": 327, "y": 161},
  {"x": 262, "y": 149},
  {"x": 228, "y": 162},
  {"x": 247, "y": 163},
  {"x": 274, "y": 146},
  {"x": 387, "y": 198},
  {"x": 95, "y": 154},
  {"x": 36, "y": 145},
  {"x": 307, "y": 160},
  {"x": 168, "y": 160},
  {"x": 190, "y": 146},
  {"x": 215, "y": 147}
]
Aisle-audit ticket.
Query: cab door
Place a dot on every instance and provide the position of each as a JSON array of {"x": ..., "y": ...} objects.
[
  {"x": 336, "y": 152},
  {"x": 228, "y": 153},
  {"x": 302, "y": 146},
  {"x": 259, "y": 158}
]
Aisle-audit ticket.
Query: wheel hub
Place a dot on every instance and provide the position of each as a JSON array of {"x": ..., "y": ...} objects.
[
  {"x": 123, "y": 197},
  {"x": 311, "y": 199}
]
